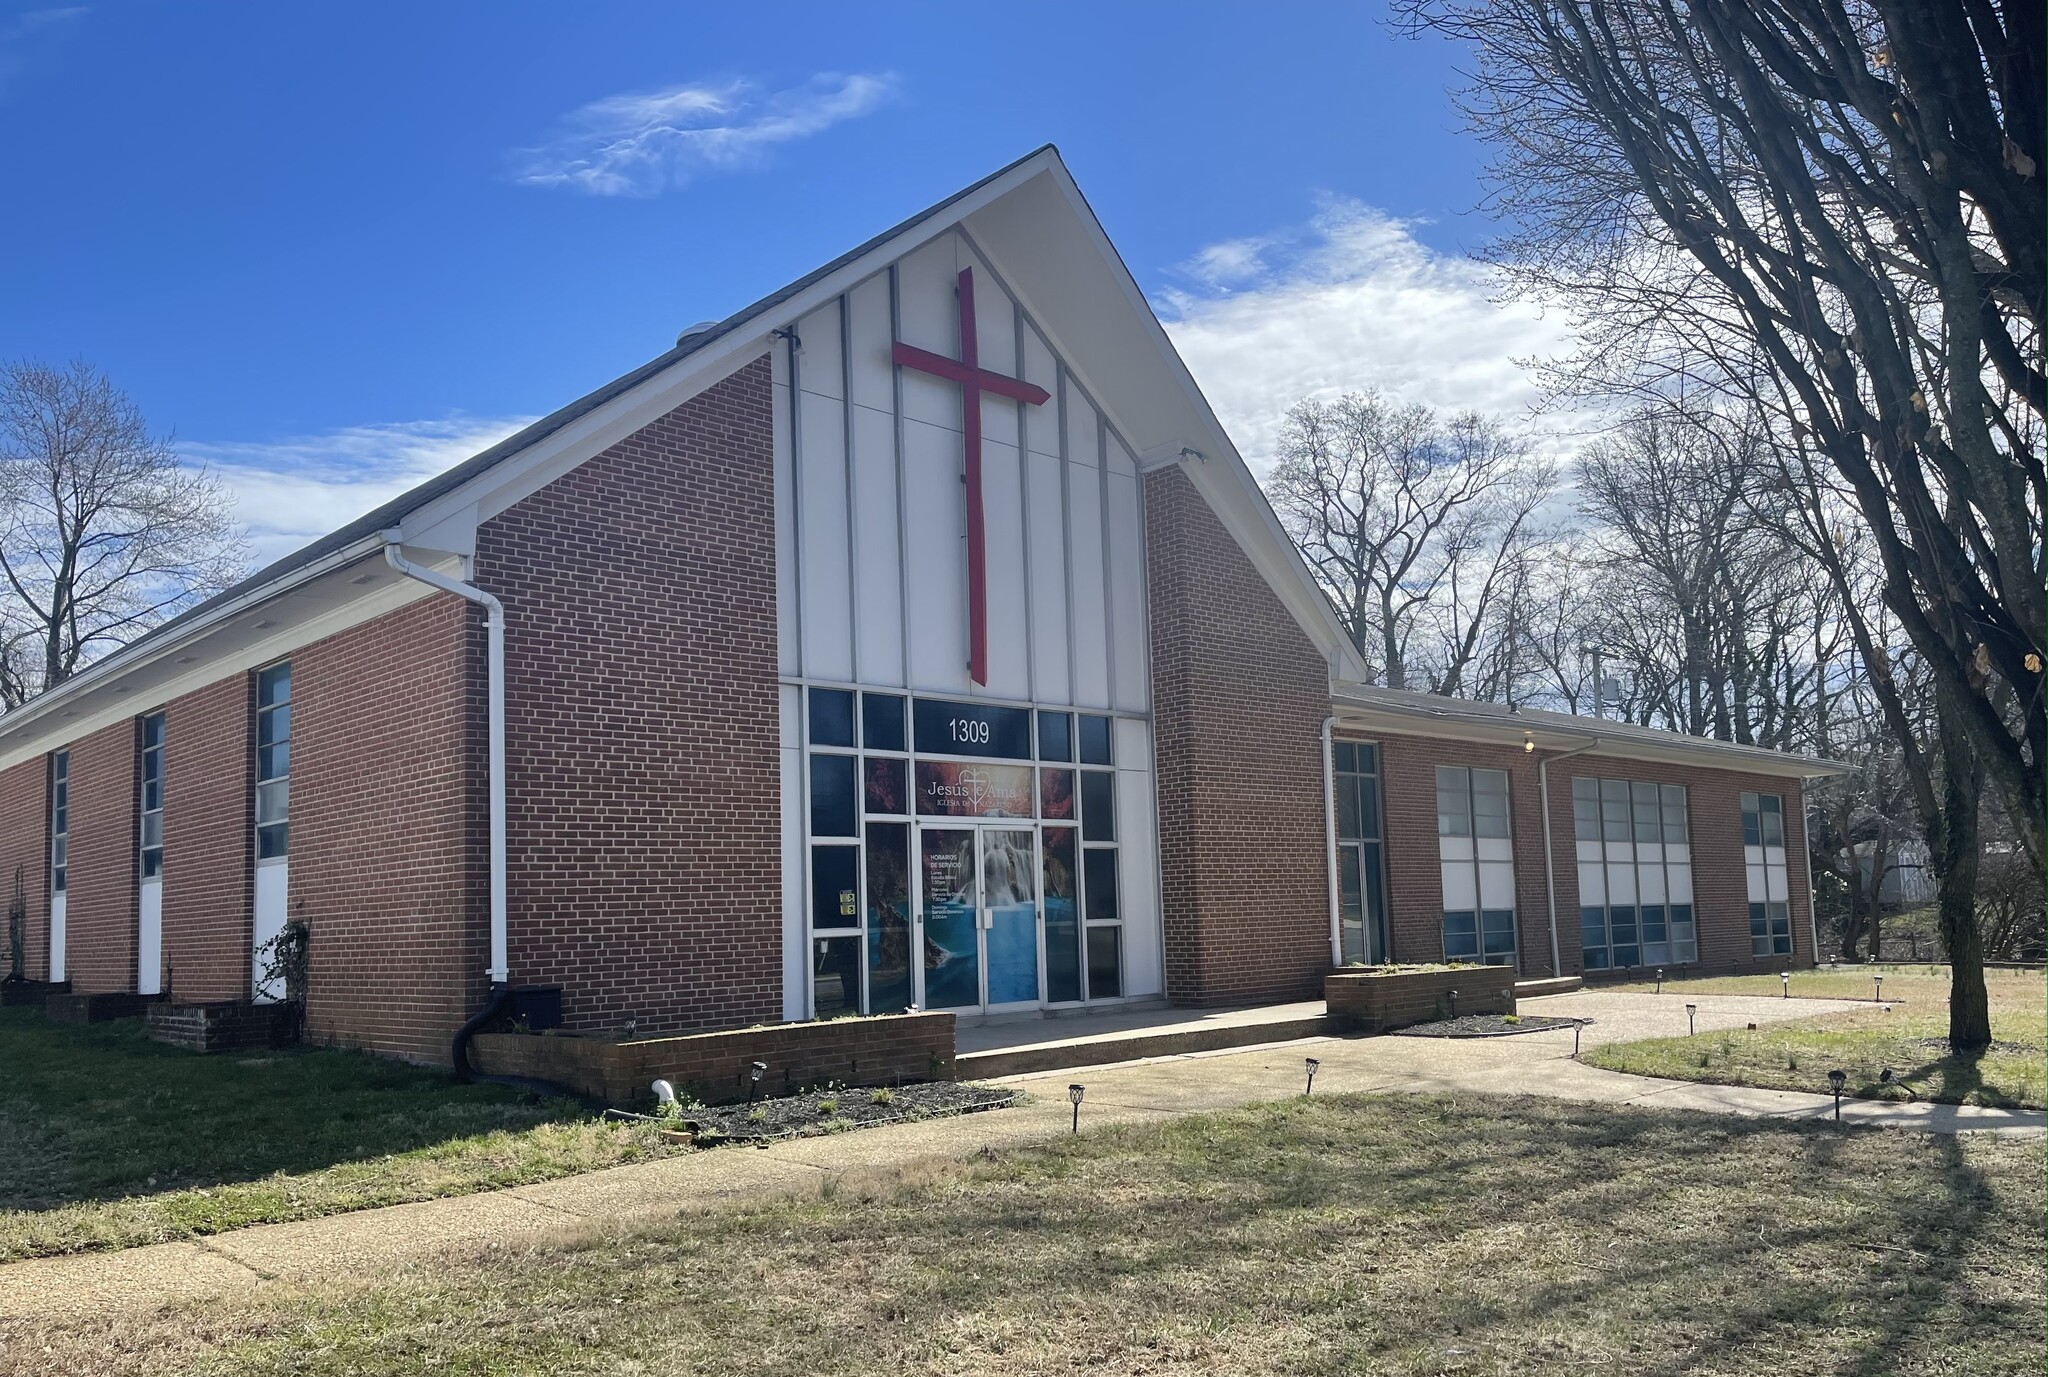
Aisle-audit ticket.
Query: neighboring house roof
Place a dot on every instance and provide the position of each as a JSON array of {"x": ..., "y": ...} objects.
[{"x": 1428, "y": 714}]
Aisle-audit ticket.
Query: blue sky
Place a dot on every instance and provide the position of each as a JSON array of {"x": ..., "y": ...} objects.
[{"x": 334, "y": 247}]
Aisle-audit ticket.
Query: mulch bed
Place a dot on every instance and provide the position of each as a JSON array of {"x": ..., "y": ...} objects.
[
  {"x": 838, "y": 1110},
  {"x": 1485, "y": 1026}
]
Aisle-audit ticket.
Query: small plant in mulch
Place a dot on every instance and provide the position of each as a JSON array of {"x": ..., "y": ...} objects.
[
  {"x": 1485, "y": 1026},
  {"x": 830, "y": 1109}
]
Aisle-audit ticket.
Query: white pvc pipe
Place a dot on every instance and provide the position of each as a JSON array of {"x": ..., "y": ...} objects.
[
  {"x": 1549, "y": 862},
  {"x": 1330, "y": 838},
  {"x": 494, "y": 656}
]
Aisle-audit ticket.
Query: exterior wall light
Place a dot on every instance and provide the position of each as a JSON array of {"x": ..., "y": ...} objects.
[
  {"x": 1690, "y": 1010},
  {"x": 1313, "y": 1066},
  {"x": 1528, "y": 744},
  {"x": 1074, "y": 1094}
]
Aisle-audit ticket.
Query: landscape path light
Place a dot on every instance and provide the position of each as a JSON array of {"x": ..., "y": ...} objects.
[
  {"x": 1838, "y": 1079},
  {"x": 1074, "y": 1093},
  {"x": 1880, "y": 986},
  {"x": 1313, "y": 1066},
  {"x": 1785, "y": 981},
  {"x": 1454, "y": 1003},
  {"x": 755, "y": 1070},
  {"x": 1660, "y": 981},
  {"x": 1578, "y": 1027},
  {"x": 1690, "y": 1010}
]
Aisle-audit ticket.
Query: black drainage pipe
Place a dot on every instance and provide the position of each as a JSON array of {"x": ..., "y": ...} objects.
[{"x": 458, "y": 1051}]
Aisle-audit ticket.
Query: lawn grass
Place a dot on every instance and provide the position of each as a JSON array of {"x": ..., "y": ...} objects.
[
  {"x": 108, "y": 1140},
  {"x": 1798, "y": 1055},
  {"x": 1376, "y": 1235}
]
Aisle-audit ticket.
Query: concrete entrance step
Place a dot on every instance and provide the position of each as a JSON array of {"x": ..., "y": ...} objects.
[
  {"x": 1049, "y": 1044},
  {"x": 1554, "y": 985}
]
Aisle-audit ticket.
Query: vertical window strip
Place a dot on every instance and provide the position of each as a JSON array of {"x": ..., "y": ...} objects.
[
  {"x": 151, "y": 849},
  {"x": 273, "y": 762},
  {"x": 1472, "y": 807},
  {"x": 1766, "y": 876},
  {"x": 60, "y": 820},
  {"x": 1614, "y": 822}
]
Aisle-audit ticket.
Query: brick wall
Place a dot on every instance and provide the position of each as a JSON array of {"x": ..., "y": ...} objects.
[
  {"x": 1414, "y": 876},
  {"x": 25, "y": 852},
  {"x": 1239, "y": 696},
  {"x": 208, "y": 777},
  {"x": 99, "y": 910},
  {"x": 389, "y": 845},
  {"x": 645, "y": 829},
  {"x": 1721, "y": 905}
]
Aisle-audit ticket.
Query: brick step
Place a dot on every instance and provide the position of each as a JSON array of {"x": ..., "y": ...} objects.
[
  {"x": 223, "y": 1026},
  {"x": 1556, "y": 984},
  {"x": 1100, "y": 1049}
]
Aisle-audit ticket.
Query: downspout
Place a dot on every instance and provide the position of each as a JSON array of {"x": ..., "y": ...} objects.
[
  {"x": 1549, "y": 862},
  {"x": 1806, "y": 851},
  {"x": 1330, "y": 838},
  {"x": 494, "y": 656}
]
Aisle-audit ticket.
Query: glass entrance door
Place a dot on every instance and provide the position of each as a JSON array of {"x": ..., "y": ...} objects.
[{"x": 978, "y": 898}]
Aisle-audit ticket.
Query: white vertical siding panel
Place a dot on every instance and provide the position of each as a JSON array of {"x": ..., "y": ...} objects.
[
  {"x": 820, "y": 364},
  {"x": 826, "y": 572},
  {"x": 1132, "y": 653},
  {"x": 937, "y": 558},
  {"x": 874, "y": 381},
  {"x": 1090, "y": 601},
  {"x": 1048, "y": 579},
  {"x": 878, "y": 580},
  {"x": 788, "y": 656},
  {"x": 1120, "y": 460},
  {"x": 1009, "y": 669},
  {"x": 930, "y": 320},
  {"x": 1041, "y": 423}
]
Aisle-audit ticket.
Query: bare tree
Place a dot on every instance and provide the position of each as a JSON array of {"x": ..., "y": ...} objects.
[
  {"x": 104, "y": 533},
  {"x": 1847, "y": 195},
  {"x": 1419, "y": 529}
]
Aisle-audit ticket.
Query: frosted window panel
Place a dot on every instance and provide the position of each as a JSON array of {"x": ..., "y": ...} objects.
[
  {"x": 1776, "y": 876},
  {"x": 1621, "y": 884},
  {"x": 1680, "y": 877},
  {"x": 1754, "y": 875},
  {"x": 1496, "y": 885},
  {"x": 1651, "y": 880},
  {"x": 1592, "y": 886},
  {"x": 1460, "y": 887},
  {"x": 1589, "y": 851},
  {"x": 1454, "y": 848}
]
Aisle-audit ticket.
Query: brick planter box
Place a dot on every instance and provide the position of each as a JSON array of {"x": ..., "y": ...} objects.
[
  {"x": 1380, "y": 999},
  {"x": 887, "y": 1050},
  {"x": 227, "y": 1026},
  {"x": 96, "y": 1008},
  {"x": 16, "y": 994}
]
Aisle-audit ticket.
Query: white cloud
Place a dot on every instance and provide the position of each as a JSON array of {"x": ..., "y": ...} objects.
[
  {"x": 297, "y": 489},
  {"x": 642, "y": 144},
  {"x": 32, "y": 35},
  {"x": 1352, "y": 301}
]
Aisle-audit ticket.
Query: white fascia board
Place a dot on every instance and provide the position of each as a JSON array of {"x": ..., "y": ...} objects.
[
  {"x": 1692, "y": 752},
  {"x": 100, "y": 704}
]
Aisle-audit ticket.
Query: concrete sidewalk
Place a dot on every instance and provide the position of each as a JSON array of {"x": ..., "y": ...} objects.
[{"x": 1133, "y": 1092}]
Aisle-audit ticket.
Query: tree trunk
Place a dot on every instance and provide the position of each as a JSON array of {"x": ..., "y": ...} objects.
[
  {"x": 1852, "y": 917},
  {"x": 1954, "y": 844}
]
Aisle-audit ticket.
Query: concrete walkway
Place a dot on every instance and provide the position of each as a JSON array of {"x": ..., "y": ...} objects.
[{"x": 371, "y": 1241}]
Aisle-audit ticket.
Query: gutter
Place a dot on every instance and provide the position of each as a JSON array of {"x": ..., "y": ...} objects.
[
  {"x": 494, "y": 624},
  {"x": 1549, "y": 863}
]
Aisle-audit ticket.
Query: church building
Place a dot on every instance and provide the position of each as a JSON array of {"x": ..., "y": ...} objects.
[{"x": 914, "y": 636}]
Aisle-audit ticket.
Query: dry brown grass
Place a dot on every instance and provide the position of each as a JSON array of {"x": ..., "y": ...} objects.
[{"x": 1393, "y": 1235}]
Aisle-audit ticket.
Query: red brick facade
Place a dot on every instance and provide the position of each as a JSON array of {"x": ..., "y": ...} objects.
[
  {"x": 25, "y": 856},
  {"x": 641, "y": 732},
  {"x": 1239, "y": 696},
  {"x": 207, "y": 822},
  {"x": 388, "y": 830},
  {"x": 1714, "y": 822},
  {"x": 99, "y": 909}
]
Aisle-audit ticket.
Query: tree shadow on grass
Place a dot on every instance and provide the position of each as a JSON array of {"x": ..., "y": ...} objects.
[{"x": 101, "y": 1112}]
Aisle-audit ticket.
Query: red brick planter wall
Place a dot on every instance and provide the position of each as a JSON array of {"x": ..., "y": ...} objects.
[
  {"x": 1369, "y": 1001},
  {"x": 890, "y": 1050}
]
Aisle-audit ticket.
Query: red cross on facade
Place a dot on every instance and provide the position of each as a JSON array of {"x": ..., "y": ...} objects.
[{"x": 974, "y": 380}]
